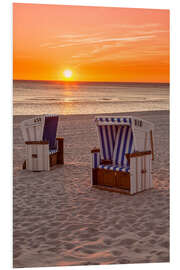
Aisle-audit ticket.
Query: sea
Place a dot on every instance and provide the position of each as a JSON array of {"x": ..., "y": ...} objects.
[{"x": 54, "y": 97}]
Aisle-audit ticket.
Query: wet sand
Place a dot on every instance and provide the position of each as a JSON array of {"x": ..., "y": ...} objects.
[{"x": 58, "y": 219}]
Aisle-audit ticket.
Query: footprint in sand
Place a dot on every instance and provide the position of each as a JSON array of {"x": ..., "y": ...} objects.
[
  {"x": 144, "y": 234},
  {"x": 127, "y": 242}
]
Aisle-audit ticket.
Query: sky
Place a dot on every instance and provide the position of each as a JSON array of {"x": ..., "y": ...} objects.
[{"x": 90, "y": 43}]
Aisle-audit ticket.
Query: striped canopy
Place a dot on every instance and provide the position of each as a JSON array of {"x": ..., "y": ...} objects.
[
  {"x": 116, "y": 139},
  {"x": 123, "y": 145}
]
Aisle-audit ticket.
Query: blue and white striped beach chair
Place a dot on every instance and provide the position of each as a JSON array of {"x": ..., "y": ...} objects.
[
  {"x": 43, "y": 148},
  {"x": 124, "y": 161}
]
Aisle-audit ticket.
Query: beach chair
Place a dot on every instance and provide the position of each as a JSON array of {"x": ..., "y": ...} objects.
[
  {"x": 43, "y": 149},
  {"x": 124, "y": 161}
]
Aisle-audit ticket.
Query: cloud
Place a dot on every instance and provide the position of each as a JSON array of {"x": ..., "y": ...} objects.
[
  {"x": 77, "y": 36},
  {"x": 114, "y": 44},
  {"x": 99, "y": 46},
  {"x": 134, "y": 26},
  {"x": 134, "y": 33},
  {"x": 87, "y": 41},
  {"x": 147, "y": 32}
]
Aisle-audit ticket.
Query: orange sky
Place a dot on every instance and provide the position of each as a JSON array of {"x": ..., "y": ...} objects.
[{"x": 95, "y": 43}]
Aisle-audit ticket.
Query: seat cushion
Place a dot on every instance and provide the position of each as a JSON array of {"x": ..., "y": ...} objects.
[{"x": 115, "y": 168}]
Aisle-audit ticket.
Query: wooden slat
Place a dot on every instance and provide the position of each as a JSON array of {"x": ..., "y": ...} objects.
[
  {"x": 136, "y": 166},
  {"x": 152, "y": 144},
  {"x": 138, "y": 173},
  {"x": 138, "y": 154},
  {"x": 94, "y": 150},
  {"x": 60, "y": 153},
  {"x": 145, "y": 142},
  {"x": 40, "y": 155},
  {"x": 147, "y": 174},
  {"x": 142, "y": 172},
  {"x": 29, "y": 159},
  {"x": 31, "y": 133},
  {"x": 34, "y": 161},
  {"x": 133, "y": 185},
  {"x": 150, "y": 173}
]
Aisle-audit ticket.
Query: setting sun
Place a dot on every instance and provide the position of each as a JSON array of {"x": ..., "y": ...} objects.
[{"x": 67, "y": 73}]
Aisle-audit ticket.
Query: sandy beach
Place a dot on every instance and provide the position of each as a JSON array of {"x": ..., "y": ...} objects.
[{"x": 59, "y": 219}]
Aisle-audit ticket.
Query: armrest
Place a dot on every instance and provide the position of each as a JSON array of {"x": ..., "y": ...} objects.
[
  {"x": 36, "y": 142},
  {"x": 138, "y": 154},
  {"x": 95, "y": 158},
  {"x": 95, "y": 150}
]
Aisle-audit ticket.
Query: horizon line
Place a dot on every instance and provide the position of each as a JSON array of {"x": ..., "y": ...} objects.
[{"x": 61, "y": 81}]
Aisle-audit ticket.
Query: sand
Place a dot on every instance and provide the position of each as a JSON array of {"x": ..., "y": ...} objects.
[{"x": 58, "y": 219}]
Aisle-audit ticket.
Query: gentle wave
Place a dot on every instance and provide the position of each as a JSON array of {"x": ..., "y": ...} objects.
[{"x": 39, "y": 97}]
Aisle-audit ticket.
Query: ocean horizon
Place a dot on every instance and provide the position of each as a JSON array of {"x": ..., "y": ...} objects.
[
  {"x": 32, "y": 97},
  {"x": 90, "y": 82}
]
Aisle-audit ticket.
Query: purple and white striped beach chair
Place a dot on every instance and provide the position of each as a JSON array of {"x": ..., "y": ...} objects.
[
  {"x": 123, "y": 162},
  {"x": 43, "y": 149}
]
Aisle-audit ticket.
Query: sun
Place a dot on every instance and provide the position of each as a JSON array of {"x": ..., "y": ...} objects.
[{"x": 67, "y": 73}]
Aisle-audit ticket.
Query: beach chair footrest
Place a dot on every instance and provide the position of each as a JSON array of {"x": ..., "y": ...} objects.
[{"x": 108, "y": 178}]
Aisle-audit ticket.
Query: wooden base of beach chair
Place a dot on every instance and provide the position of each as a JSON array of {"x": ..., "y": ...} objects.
[
  {"x": 111, "y": 180},
  {"x": 54, "y": 158},
  {"x": 57, "y": 158},
  {"x": 60, "y": 153}
]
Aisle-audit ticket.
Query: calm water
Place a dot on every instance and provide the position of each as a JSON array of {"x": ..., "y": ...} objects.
[{"x": 39, "y": 97}]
